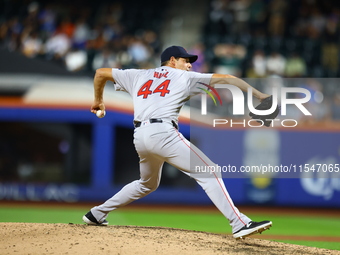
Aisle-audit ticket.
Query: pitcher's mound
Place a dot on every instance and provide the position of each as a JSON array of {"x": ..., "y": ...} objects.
[{"x": 38, "y": 238}]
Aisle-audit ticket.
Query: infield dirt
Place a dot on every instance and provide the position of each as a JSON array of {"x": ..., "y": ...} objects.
[{"x": 41, "y": 238}]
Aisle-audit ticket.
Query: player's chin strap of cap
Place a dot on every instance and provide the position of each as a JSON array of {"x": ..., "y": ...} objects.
[{"x": 139, "y": 123}]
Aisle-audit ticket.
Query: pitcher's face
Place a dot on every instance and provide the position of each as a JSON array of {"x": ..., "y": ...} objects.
[{"x": 183, "y": 64}]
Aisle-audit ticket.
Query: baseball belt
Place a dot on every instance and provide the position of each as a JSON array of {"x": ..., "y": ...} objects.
[{"x": 139, "y": 123}]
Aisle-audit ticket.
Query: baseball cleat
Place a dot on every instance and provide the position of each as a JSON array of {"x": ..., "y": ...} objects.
[
  {"x": 91, "y": 220},
  {"x": 252, "y": 228}
]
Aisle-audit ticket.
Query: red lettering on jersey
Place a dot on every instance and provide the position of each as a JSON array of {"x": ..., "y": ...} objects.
[
  {"x": 162, "y": 89},
  {"x": 160, "y": 75},
  {"x": 145, "y": 89}
]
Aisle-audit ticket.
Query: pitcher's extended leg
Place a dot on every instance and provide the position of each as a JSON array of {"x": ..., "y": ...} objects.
[
  {"x": 150, "y": 175},
  {"x": 187, "y": 157}
]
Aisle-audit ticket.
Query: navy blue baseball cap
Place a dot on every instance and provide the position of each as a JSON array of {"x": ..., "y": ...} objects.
[{"x": 177, "y": 52}]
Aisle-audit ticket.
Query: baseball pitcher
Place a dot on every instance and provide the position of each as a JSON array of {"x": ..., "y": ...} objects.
[{"x": 158, "y": 96}]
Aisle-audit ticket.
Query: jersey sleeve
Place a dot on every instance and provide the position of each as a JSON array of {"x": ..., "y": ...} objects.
[
  {"x": 199, "y": 82},
  {"x": 124, "y": 79}
]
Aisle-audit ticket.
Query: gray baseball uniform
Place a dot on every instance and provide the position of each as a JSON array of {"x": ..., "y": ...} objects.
[{"x": 158, "y": 95}]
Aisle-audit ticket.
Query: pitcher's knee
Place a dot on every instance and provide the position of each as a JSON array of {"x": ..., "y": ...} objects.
[{"x": 147, "y": 187}]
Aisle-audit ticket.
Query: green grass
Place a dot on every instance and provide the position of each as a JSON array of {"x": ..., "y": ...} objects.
[
  {"x": 40, "y": 215},
  {"x": 199, "y": 221},
  {"x": 306, "y": 226},
  {"x": 325, "y": 245}
]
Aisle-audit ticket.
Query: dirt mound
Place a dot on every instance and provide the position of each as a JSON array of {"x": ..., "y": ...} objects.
[{"x": 38, "y": 238}]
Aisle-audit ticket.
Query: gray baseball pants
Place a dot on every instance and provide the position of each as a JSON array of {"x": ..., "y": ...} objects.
[{"x": 157, "y": 143}]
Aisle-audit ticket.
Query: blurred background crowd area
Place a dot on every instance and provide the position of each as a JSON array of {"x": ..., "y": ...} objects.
[
  {"x": 245, "y": 38},
  {"x": 83, "y": 35},
  {"x": 248, "y": 38}
]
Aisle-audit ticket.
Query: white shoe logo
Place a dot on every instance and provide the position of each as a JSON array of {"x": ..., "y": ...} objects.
[{"x": 248, "y": 224}]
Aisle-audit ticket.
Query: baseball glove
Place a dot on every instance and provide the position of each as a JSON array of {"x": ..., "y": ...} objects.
[{"x": 265, "y": 105}]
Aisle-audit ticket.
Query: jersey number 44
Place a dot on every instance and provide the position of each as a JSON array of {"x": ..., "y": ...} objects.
[{"x": 145, "y": 90}]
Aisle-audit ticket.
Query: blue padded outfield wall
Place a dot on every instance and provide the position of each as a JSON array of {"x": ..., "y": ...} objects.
[{"x": 236, "y": 147}]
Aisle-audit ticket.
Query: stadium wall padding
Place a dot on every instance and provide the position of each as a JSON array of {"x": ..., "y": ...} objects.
[{"x": 236, "y": 148}]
